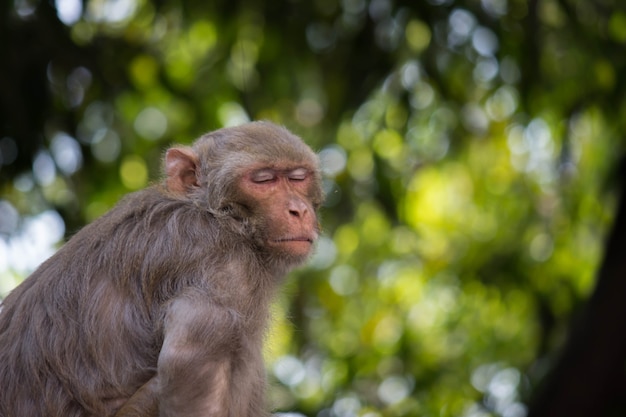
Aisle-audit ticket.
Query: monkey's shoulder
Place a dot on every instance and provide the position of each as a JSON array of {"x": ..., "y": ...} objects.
[{"x": 152, "y": 208}]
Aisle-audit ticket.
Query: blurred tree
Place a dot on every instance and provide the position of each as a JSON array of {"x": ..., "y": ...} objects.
[
  {"x": 470, "y": 154},
  {"x": 585, "y": 380}
]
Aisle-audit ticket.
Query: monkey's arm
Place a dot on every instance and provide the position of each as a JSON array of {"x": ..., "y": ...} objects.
[
  {"x": 143, "y": 403},
  {"x": 195, "y": 366}
]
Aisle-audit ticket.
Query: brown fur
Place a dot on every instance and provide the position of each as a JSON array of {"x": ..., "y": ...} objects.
[{"x": 159, "y": 307}]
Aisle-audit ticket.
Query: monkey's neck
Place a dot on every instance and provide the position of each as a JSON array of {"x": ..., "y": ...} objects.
[{"x": 243, "y": 281}]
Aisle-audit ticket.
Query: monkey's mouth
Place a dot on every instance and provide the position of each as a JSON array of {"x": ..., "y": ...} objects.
[
  {"x": 298, "y": 246},
  {"x": 295, "y": 239}
]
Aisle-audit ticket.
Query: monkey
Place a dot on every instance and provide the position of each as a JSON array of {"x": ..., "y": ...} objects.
[{"x": 160, "y": 306}]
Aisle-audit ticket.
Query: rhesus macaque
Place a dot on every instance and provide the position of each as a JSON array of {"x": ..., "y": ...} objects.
[{"x": 159, "y": 307}]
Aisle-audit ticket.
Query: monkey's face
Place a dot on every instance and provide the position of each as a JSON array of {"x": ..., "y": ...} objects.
[
  {"x": 283, "y": 201},
  {"x": 258, "y": 177}
]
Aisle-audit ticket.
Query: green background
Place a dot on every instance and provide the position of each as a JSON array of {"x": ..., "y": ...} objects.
[{"x": 470, "y": 152}]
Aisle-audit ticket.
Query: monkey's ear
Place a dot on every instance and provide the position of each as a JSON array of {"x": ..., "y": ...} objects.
[{"x": 180, "y": 167}]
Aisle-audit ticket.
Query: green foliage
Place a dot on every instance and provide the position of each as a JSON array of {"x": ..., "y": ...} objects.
[{"x": 467, "y": 149}]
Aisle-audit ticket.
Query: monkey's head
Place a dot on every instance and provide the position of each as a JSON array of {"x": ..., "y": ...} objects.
[{"x": 263, "y": 179}]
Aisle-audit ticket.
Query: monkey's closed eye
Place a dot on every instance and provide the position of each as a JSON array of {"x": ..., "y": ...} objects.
[
  {"x": 299, "y": 174},
  {"x": 263, "y": 176}
]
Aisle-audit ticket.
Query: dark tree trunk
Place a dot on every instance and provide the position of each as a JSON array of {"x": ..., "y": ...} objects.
[{"x": 589, "y": 378}]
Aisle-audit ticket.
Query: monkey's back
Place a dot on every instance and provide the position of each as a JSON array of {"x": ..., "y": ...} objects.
[{"x": 87, "y": 313}]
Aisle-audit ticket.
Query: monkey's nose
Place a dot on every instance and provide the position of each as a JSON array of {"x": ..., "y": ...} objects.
[{"x": 297, "y": 208}]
